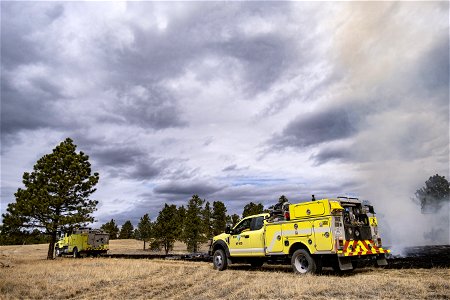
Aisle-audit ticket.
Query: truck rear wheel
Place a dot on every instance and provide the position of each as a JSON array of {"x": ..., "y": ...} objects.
[
  {"x": 220, "y": 260},
  {"x": 303, "y": 263}
]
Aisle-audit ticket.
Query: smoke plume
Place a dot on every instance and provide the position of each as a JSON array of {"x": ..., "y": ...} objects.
[{"x": 394, "y": 59}]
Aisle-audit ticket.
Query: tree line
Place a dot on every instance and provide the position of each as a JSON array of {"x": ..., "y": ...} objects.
[
  {"x": 194, "y": 224},
  {"x": 56, "y": 198}
]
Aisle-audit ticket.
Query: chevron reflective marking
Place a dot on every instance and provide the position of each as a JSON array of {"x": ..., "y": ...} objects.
[{"x": 361, "y": 247}]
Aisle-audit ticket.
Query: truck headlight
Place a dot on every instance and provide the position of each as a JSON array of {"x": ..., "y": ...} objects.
[{"x": 338, "y": 232}]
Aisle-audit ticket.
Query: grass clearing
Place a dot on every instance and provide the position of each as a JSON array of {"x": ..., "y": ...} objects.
[{"x": 26, "y": 274}]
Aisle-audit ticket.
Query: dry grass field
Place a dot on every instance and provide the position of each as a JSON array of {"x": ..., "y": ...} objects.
[{"x": 26, "y": 274}]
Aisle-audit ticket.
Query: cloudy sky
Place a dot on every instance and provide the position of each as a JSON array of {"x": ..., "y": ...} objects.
[{"x": 233, "y": 101}]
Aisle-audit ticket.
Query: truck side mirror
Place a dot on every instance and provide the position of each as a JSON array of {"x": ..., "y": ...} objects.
[{"x": 228, "y": 229}]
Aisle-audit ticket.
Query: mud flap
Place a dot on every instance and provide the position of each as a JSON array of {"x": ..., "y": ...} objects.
[
  {"x": 381, "y": 260},
  {"x": 345, "y": 263}
]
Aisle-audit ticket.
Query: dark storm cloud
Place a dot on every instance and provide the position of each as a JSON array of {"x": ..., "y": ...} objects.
[
  {"x": 117, "y": 155},
  {"x": 21, "y": 111},
  {"x": 152, "y": 57},
  {"x": 432, "y": 71},
  {"x": 25, "y": 107},
  {"x": 332, "y": 153},
  {"x": 263, "y": 58},
  {"x": 146, "y": 170},
  {"x": 186, "y": 42},
  {"x": 27, "y": 102},
  {"x": 187, "y": 189},
  {"x": 148, "y": 108},
  {"x": 314, "y": 128},
  {"x": 230, "y": 168},
  {"x": 234, "y": 167},
  {"x": 28, "y": 109},
  {"x": 124, "y": 161},
  {"x": 17, "y": 46}
]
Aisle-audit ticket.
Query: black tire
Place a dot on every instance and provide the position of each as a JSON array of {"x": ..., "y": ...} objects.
[
  {"x": 303, "y": 263},
  {"x": 76, "y": 254},
  {"x": 220, "y": 261},
  {"x": 256, "y": 263}
]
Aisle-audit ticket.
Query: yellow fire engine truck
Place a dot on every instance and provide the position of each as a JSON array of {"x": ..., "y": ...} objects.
[
  {"x": 83, "y": 241},
  {"x": 310, "y": 235}
]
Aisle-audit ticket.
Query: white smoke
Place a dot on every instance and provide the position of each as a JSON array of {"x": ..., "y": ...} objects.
[{"x": 385, "y": 53}]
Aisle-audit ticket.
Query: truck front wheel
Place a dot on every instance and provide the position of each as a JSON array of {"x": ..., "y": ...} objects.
[
  {"x": 303, "y": 263},
  {"x": 220, "y": 260}
]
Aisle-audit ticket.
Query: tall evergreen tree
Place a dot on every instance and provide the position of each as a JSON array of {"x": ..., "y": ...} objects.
[
  {"x": 144, "y": 229},
  {"x": 111, "y": 228},
  {"x": 207, "y": 220},
  {"x": 252, "y": 209},
  {"x": 56, "y": 194},
  {"x": 219, "y": 217},
  {"x": 283, "y": 199},
  {"x": 181, "y": 219},
  {"x": 434, "y": 194},
  {"x": 233, "y": 219},
  {"x": 127, "y": 230},
  {"x": 193, "y": 234},
  {"x": 167, "y": 227}
]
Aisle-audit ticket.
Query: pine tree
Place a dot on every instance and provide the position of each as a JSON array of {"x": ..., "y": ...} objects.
[
  {"x": 434, "y": 194},
  {"x": 193, "y": 234},
  {"x": 167, "y": 227},
  {"x": 181, "y": 220},
  {"x": 252, "y": 209},
  {"x": 283, "y": 199},
  {"x": 127, "y": 231},
  {"x": 219, "y": 217},
  {"x": 233, "y": 219},
  {"x": 144, "y": 229},
  {"x": 207, "y": 220},
  {"x": 56, "y": 194},
  {"x": 111, "y": 228}
]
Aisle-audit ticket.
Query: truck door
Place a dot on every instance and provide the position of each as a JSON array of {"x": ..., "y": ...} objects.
[
  {"x": 274, "y": 242},
  {"x": 322, "y": 235},
  {"x": 256, "y": 236},
  {"x": 240, "y": 244}
]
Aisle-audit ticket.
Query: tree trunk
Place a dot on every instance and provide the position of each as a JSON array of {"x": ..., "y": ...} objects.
[
  {"x": 195, "y": 247},
  {"x": 51, "y": 246},
  {"x": 144, "y": 245}
]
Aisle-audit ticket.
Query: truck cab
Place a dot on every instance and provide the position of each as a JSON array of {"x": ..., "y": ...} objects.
[{"x": 246, "y": 238}]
